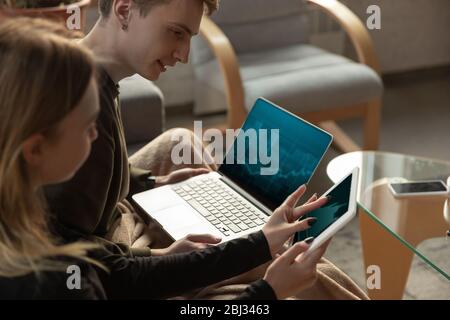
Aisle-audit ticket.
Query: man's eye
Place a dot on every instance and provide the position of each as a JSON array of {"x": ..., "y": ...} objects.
[{"x": 178, "y": 34}]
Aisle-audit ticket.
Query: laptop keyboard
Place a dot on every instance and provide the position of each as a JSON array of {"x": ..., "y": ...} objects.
[{"x": 228, "y": 212}]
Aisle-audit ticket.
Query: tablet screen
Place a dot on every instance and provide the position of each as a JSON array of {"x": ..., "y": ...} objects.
[{"x": 335, "y": 208}]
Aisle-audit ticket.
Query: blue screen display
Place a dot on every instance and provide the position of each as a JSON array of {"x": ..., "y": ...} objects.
[
  {"x": 294, "y": 146},
  {"x": 330, "y": 212}
]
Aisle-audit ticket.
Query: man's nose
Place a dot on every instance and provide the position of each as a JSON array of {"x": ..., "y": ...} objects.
[{"x": 182, "y": 53}]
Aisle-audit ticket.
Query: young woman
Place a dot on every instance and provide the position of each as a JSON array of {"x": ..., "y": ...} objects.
[
  {"x": 48, "y": 110},
  {"x": 49, "y": 106}
]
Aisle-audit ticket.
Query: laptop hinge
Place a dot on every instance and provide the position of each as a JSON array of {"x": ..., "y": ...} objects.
[{"x": 246, "y": 195}]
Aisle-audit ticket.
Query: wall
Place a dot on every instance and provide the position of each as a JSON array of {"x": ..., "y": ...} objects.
[{"x": 413, "y": 35}]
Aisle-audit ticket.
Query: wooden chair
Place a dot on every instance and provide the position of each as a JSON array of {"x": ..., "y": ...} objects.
[{"x": 323, "y": 88}]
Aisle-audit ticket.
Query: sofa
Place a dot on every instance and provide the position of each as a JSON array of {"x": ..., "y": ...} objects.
[{"x": 142, "y": 107}]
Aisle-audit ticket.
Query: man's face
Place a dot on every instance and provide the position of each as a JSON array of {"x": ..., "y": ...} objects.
[{"x": 162, "y": 38}]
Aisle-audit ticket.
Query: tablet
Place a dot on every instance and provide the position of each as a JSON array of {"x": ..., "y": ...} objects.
[{"x": 335, "y": 214}]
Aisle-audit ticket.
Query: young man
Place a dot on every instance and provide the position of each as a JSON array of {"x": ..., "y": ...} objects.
[{"x": 143, "y": 37}]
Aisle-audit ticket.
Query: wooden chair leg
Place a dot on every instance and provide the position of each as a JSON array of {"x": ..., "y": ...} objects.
[{"x": 372, "y": 125}]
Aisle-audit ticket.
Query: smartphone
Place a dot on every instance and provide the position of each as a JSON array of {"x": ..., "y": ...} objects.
[{"x": 418, "y": 188}]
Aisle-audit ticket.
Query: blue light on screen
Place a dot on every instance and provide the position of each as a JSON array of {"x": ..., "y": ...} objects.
[
  {"x": 301, "y": 147},
  {"x": 330, "y": 212}
]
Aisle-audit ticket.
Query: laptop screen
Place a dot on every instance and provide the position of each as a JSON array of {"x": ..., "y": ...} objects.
[{"x": 274, "y": 153}]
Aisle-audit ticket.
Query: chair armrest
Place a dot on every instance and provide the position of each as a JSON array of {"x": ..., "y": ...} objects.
[
  {"x": 355, "y": 29},
  {"x": 142, "y": 108},
  {"x": 229, "y": 65}
]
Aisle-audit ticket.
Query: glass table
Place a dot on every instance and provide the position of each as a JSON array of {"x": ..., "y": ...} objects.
[{"x": 393, "y": 229}]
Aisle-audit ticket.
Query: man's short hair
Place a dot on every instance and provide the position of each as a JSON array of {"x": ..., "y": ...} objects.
[{"x": 145, "y": 6}]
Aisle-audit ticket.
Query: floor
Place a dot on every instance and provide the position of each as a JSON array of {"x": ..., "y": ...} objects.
[{"x": 416, "y": 120}]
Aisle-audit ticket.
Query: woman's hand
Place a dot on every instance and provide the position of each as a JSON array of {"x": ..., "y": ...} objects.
[
  {"x": 294, "y": 270},
  {"x": 189, "y": 243},
  {"x": 179, "y": 175},
  {"x": 284, "y": 221}
]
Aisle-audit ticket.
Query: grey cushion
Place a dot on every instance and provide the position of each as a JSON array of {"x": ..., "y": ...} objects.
[
  {"x": 260, "y": 25},
  {"x": 142, "y": 107},
  {"x": 300, "y": 78},
  {"x": 249, "y": 11}
]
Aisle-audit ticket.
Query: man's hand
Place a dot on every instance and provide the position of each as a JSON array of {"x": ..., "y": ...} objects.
[
  {"x": 189, "y": 243},
  {"x": 179, "y": 175},
  {"x": 294, "y": 270},
  {"x": 283, "y": 222}
]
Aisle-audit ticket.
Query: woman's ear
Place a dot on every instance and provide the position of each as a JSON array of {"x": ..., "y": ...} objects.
[
  {"x": 122, "y": 10},
  {"x": 32, "y": 150}
]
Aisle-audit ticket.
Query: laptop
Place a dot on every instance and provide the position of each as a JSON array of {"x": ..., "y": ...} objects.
[{"x": 240, "y": 197}]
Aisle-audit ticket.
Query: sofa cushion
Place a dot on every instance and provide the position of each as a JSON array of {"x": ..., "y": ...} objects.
[
  {"x": 142, "y": 107},
  {"x": 296, "y": 78}
]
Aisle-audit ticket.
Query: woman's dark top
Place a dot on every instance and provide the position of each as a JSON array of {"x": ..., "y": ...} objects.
[{"x": 148, "y": 277}]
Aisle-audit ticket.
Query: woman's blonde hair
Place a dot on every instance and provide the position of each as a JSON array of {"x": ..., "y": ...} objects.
[{"x": 43, "y": 76}]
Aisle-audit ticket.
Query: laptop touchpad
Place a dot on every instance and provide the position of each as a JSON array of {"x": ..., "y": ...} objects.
[{"x": 176, "y": 217}]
